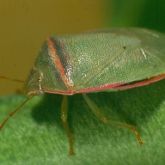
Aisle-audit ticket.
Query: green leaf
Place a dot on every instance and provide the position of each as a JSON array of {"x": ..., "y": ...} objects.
[{"x": 35, "y": 135}]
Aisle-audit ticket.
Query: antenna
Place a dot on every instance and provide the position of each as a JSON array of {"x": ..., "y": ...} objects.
[{"x": 12, "y": 79}]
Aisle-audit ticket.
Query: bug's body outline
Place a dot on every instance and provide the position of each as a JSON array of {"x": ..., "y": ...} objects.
[{"x": 57, "y": 55}]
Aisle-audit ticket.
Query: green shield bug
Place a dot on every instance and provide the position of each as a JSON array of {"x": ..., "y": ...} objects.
[{"x": 112, "y": 60}]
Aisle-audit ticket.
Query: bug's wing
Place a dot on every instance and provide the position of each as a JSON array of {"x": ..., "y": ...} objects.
[{"x": 114, "y": 56}]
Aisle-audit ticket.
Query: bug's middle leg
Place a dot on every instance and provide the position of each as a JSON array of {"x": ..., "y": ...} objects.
[
  {"x": 98, "y": 113},
  {"x": 64, "y": 118}
]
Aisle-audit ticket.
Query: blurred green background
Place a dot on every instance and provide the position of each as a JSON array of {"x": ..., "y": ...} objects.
[
  {"x": 35, "y": 135},
  {"x": 142, "y": 13},
  {"x": 24, "y": 25}
]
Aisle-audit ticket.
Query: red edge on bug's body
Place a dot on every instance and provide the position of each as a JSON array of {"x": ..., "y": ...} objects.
[
  {"x": 85, "y": 90},
  {"x": 57, "y": 62},
  {"x": 115, "y": 86},
  {"x": 141, "y": 83}
]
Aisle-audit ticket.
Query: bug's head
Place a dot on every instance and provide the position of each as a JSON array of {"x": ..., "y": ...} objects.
[{"x": 33, "y": 83}]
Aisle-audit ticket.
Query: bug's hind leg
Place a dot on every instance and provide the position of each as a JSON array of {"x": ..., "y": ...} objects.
[
  {"x": 64, "y": 118},
  {"x": 95, "y": 109}
]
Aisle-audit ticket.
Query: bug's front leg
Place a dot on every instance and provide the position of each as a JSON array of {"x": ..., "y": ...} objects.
[
  {"x": 15, "y": 111},
  {"x": 64, "y": 118},
  {"x": 97, "y": 112}
]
